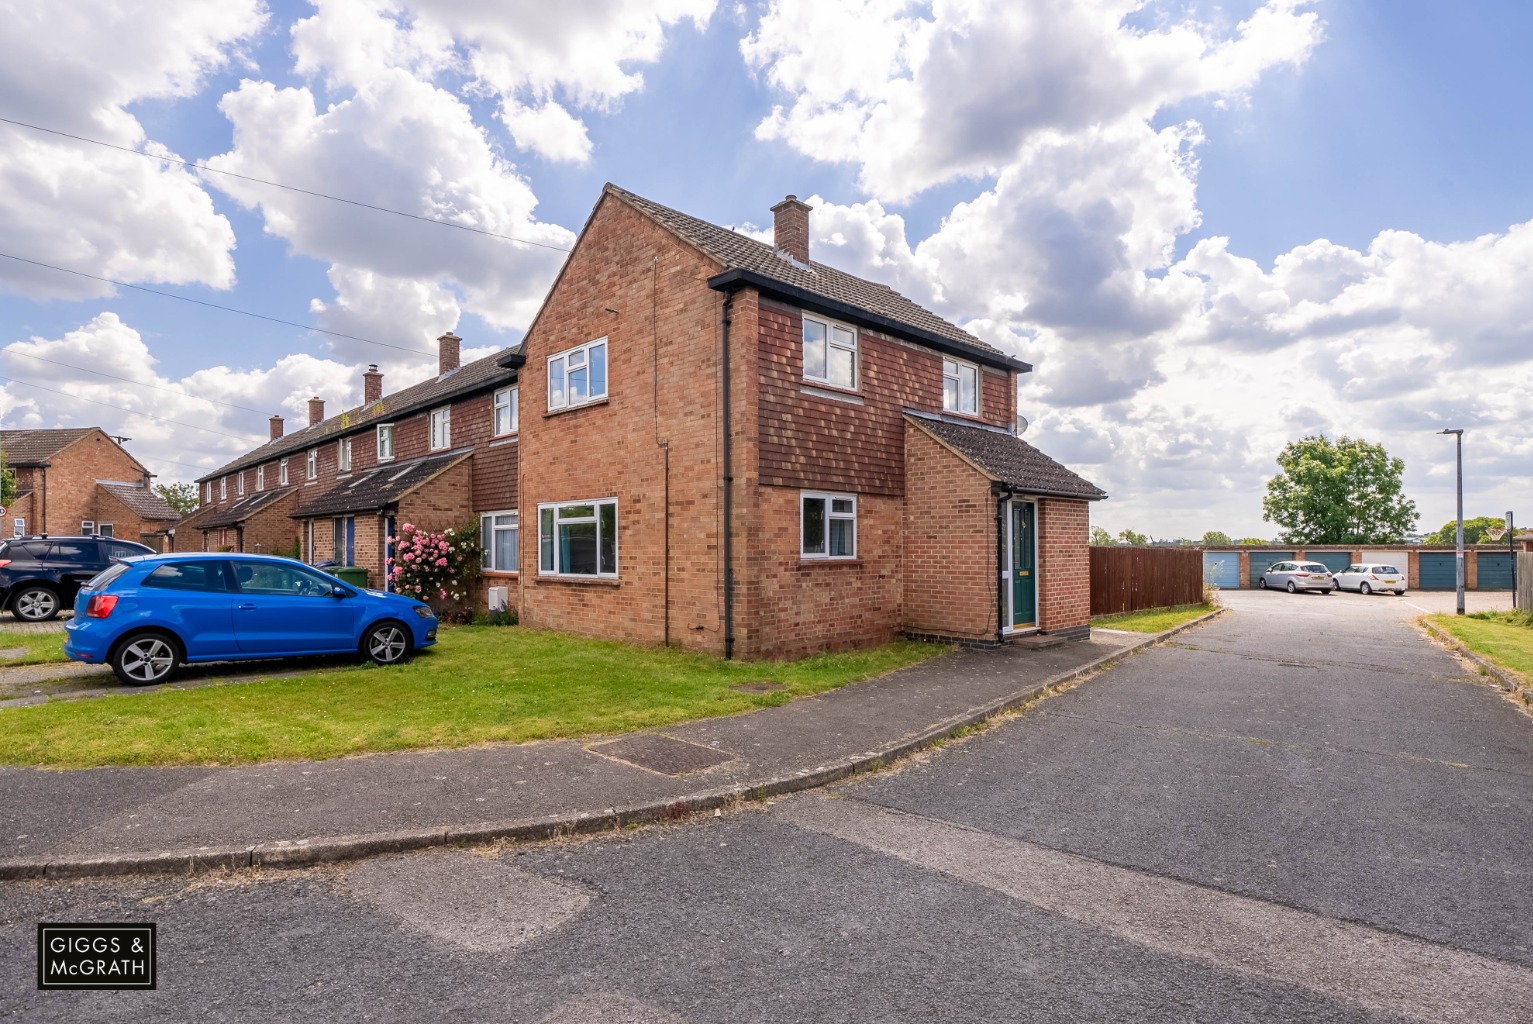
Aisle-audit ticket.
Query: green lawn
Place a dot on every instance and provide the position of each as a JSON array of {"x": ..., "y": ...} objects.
[
  {"x": 41, "y": 647},
  {"x": 480, "y": 684},
  {"x": 1504, "y": 637},
  {"x": 1153, "y": 620}
]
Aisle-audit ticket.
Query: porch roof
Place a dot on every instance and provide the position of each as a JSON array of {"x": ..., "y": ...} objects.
[
  {"x": 381, "y": 486},
  {"x": 243, "y": 509},
  {"x": 1006, "y": 458}
]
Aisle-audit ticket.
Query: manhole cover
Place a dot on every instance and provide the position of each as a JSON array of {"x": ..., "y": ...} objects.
[
  {"x": 764, "y": 686},
  {"x": 662, "y": 754}
]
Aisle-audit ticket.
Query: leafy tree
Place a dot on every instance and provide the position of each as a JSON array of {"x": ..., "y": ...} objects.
[
  {"x": 1132, "y": 538},
  {"x": 1217, "y": 539},
  {"x": 1100, "y": 538},
  {"x": 181, "y": 497},
  {"x": 1246, "y": 542},
  {"x": 7, "y": 481},
  {"x": 1338, "y": 492},
  {"x": 1474, "y": 530}
]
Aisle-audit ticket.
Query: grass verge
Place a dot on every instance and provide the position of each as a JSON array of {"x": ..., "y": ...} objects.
[
  {"x": 480, "y": 684},
  {"x": 1153, "y": 620},
  {"x": 1504, "y": 637},
  {"x": 41, "y": 648}
]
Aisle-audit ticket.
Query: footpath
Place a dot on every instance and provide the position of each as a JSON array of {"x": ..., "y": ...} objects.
[{"x": 107, "y": 821}]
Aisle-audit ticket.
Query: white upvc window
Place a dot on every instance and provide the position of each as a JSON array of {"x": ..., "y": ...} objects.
[
  {"x": 960, "y": 387},
  {"x": 385, "y": 442},
  {"x": 497, "y": 535},
  {"x": 223, "y": 488},
  {"x": 578, "y": 375},
  {"x": 19, "y": 526},
  {"x": 106, "y": 530},
  {"x": 441, "y": 428},
  {"x": 311, "y": 464},
  {"x": 207, "y": 492},
  {"x": 260, "y": 478},
  {"x": 282, "y": 472},
  {"x": 578, "y": 538},
  {"x": 239, "y": 482},
  {"x": 507, "y": 412},
  {"x": 830, "y": 353},
  {"x": 87, "y": 527},
  {"x": 343, "y": 455},
  {"x": 828, "y": 525}
]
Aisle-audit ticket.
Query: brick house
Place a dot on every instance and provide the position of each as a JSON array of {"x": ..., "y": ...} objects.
[
  {"x": 81, "y": 480},
  {"x": 739, "y": 450},
  {"x": 438, "y": 454}
]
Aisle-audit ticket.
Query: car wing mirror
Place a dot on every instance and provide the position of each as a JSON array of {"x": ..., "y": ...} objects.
[{"x": 340, "y": 591}]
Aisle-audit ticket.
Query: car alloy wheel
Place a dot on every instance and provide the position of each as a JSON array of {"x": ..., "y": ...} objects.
[
  {"x": 387, "y": 644},
  {"x": 1365, "y": 588},
  {"x": 1291, "y": 588},
  {"x": 145, "y": 660},
  {"x": 1261, "y": 583},
  {"x": 36, "y": 604}
]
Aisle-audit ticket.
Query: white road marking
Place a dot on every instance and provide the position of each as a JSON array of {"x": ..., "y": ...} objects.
[{"x": 1379, "y": 971}]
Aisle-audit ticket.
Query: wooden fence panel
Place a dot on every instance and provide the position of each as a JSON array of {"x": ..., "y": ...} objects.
[
  {"x": 1125, "y": 579},
  {"x": 1525, "y": 580}
]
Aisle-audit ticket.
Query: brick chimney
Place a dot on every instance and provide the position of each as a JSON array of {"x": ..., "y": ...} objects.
[
  {"x": 372, "y": 385},
  {"x": 316, "y": 410},
  {"x": 276, "y": 427},
  {"x": 447, "y": 352},
  {"x": 790, "y": 228}
]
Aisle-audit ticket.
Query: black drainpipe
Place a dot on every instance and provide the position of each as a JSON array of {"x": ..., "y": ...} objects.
[
  {"x": 1005, "y": 494},
  {"x": 729, "y": 565}
]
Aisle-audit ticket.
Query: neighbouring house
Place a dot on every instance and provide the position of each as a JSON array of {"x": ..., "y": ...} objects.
[
  {"x": 82, "y": 481},
  {"x": 439, "y": 454},
  {"x": 738, "y": 449}
]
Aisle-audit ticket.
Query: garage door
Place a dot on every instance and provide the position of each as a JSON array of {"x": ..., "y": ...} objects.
[
  {"x": 1439, "y": 570},
  {"x": 1335, "y": 561},
  {"x": 1222, "y": 569},
  {"x": 1495, "y": 570},
  {"x": 1261, "y": 561},
  {"x": 1399, "y": 559}
]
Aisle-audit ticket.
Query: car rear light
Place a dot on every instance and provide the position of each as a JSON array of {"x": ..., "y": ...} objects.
[
  {"x": 1373, "y": 576},
  {"x": 4, "y": 562},
  {"x": 100, "y": 606}
]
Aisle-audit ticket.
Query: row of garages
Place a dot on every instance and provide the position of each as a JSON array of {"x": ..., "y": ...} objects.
[{"x": 1425, "y": 569}]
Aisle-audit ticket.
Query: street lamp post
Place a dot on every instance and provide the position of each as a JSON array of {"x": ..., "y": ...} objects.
[{"x": 1459, "y": 543}]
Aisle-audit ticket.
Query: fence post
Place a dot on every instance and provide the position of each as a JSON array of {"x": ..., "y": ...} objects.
[{"x": 1525, "y": 580}]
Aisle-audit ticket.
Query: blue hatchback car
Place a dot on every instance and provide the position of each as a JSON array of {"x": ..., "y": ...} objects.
[{"x": 147, "y": 616}]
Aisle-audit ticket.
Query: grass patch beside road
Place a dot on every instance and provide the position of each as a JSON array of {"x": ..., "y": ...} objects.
[
  {"x": 1153, "y": 620},
  {"x": 41, "y": 648},
  {"x": 481, "y": 684},
  {"x": 1504, "y": 637}
]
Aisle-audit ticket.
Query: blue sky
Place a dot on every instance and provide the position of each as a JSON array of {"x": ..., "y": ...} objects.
[{"x": 1137, "y": 209}]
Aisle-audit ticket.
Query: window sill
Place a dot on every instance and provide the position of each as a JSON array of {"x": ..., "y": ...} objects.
[
  {"x": 829, "y": 561},
  {"x": 585, "y": 581},
  {"x": 831, "y": 393},
  {"x": 500, "y": 573},
  {"x": 976, "y": 417},
  {"x": 575, "y": 408},
  {"x": 503, "y": 440}
]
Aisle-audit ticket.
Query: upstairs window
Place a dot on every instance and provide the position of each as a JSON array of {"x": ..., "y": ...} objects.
[
  {"x": 207, "y": 491},
  {"x": 385, "y": 442},
  {"x": 441, "y": 428},
  {"x": 828, "y": 525},
  {"x": 960, "y": 387},
  {"x": 239, "y": 481},
  {"x": 282, "y": 473},
  {"x": 223, "y": 488},
  {"x": 578, "y": 375},
  {"x": 311, "y": 464},
  {"x": 830, "y": 353},
  {"x": 506, "y": 411},
  {"x": 343, "y": 455},
  {"x": 260, "y": 478},
  {"x": 578, "y": 538}
]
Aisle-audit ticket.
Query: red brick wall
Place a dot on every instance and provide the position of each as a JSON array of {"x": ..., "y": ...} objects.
[
  {"x": 1064, "y": 564},
  {"x": 20, "y": 509},
  {"x": 950, "y": 572},
  {"x": 72, "y": 492}
]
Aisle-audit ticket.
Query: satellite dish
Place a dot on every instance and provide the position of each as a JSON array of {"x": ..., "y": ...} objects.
[{"x": 1021, "y": 424}]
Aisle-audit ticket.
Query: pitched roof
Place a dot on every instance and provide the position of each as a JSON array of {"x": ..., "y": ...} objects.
[
  {"x": 243, "y": 509},
  {"x": 380, "y": 486},
  {"x": 1007, "y": 459},
  {"x": 36, "y": 447},
  {"x": 742, "y": 253},
  {"x": 480, "y": 373},
  {"x": 141, "y": 500}
]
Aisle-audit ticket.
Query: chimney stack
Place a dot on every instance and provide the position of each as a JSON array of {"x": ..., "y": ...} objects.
[
  {"x": 372, "y": 385},
  {"x": 316, "y": 410},
  {"x": 447, "y": 352},
  {"x": 790, "y": 228},
  {"x": 276, "y": 427}
]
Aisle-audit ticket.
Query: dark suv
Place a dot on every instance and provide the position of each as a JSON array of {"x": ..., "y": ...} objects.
[{"x": 39, "y": 575}]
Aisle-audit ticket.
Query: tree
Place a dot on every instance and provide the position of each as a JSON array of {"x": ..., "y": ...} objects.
[
  {"x": 7, "y": 481},
  {"x": 1132, "y": 538},
  {"x": 1342, "y": 492},
  {"x": 1217, "y": 539},
  {"x": 181, "y": 497},
  {"x": 1474, "y": 530},
  {"x": 1100, "y": 538}
]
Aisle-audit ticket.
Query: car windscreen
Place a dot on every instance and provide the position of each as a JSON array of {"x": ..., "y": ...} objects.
[
  {"x": 105, "y": 576},
  {"x": 1387, "y": 569}
]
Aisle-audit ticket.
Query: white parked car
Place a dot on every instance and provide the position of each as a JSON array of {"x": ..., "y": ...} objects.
[
  {"x": 1369, "y": 579},
  {"x": 1296, "y": 576}
]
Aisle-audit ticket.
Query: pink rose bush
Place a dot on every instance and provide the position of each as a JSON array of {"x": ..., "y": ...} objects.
[{"x": 438, "y": 568}]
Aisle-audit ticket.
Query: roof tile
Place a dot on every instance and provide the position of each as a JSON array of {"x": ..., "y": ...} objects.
[{"x": 1008, "y": 459}]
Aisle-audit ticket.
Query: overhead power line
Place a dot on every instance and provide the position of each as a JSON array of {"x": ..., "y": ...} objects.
[
  {"x": 214, "y": 305},
  {"x": 132, "y": 412},
  {"x": 290, "y": 188},
  {"x": 129, "y": 380}
]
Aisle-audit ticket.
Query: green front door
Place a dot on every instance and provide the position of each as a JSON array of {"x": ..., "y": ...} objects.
[{"x": 1024, "y": 568}]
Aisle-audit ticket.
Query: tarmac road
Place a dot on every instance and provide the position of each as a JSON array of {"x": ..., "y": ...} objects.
[{"x": 1302, "y": 811}]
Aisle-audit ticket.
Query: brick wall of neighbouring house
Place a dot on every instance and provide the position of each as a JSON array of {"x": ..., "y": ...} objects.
[
  {"x": 950, "y": 571},
  {"x": 22, "y": 509},
  {"x": 1064, "y": 565},
  {"x": 272, "y": 530},
  {"x": 71, "y": 481},
  {"x": 126, "y": 523},
  {"x": 638, "y": 286}
]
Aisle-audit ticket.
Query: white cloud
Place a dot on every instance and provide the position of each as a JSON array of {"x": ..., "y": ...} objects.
[{"x": 76, "y": 67}]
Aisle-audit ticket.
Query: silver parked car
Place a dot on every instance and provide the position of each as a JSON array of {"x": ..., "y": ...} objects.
[
  {"x": 1296, "y": 576},
  {"x": 1367, "y": 578}
]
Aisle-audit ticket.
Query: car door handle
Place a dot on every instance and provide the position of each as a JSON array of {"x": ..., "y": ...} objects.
[{"x": 246, "y": 607}]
